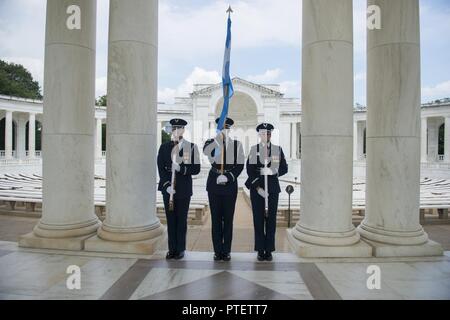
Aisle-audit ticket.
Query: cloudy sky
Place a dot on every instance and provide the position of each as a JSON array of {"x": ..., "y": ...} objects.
[{"x": 266, "y": 46}]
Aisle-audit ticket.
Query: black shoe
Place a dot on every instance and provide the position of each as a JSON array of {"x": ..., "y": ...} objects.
[
  {"x": 261, "y": 256},
  {"x": 170, "y": 255},
  {"x": 269, "y": 256},
  {"x": 217, "y": 257},
  {"x": 226, "y": 257},
  {"x": 179, "y": 256}
]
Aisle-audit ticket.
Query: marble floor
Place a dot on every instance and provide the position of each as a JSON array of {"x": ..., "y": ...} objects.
[{"x": 42, "y": 274}]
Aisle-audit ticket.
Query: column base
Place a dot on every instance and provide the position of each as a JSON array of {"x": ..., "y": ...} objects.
[
  {"x": 60, "y": 237},
  {"x": 131, "y": 243},
  {"x": 398, "y": 238},
  {"x": 309, "y": 250},
  {"x": 31, "y": 240},
  {"x": 387, "y": 243},
  {"x": 430, "y": 248}
]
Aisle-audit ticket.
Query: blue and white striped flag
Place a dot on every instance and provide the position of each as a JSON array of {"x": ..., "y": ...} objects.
[{"x": 226, "y": 79}]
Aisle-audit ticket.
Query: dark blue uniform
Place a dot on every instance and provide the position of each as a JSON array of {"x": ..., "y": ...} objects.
[
  {"x": 265, "y": 227},
  {"x": 222, "y": 198},
  {"x": 188, "y": 159}
]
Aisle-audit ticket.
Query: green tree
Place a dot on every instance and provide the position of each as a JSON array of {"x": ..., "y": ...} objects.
[
  {"x": 17, "y": 81},
  {"x": 165, "y": 137},
  {"x": 101, "y": 101}
]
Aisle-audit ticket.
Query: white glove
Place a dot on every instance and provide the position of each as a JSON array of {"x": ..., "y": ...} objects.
[
  {"x": 176, "y": 167},
  {"x": 222, "y": 179},
  {"x": 262, "y": 192},
  {"x": 170, "y": 190},
  {"x": 266, "y": 172}
]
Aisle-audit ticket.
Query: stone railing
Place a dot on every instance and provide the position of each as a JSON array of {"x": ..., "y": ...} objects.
[
  {"x": 37, "y": 154},
  {"x": 14, "y": 161}
]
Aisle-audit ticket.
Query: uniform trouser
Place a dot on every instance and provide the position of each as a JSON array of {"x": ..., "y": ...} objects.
[
  {"x": 177, "y": 223},
  {"x": 264, "y": 227},
  {"x": 222, "y": 214}
]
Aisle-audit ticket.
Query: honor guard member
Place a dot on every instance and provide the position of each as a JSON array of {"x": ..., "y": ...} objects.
[
  {"x": 227, "y": 162},
  {"x": 264, "y": 220},
  {"x": 178, "y": 161}
]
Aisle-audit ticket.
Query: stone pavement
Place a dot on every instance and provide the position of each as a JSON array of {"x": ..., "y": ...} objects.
[{"x": 41, "y": 274}]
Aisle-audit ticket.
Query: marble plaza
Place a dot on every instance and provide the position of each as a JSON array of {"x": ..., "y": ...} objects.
[
  {"x": 39, "y": 274},
  {"x": 366, "y": 179}
]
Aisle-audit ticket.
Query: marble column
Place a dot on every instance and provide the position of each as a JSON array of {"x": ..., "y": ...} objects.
[
  {"x": 286, "y": 127},
  {"x": 294, "y": 140},
  {"x": 433, "y": 140},
  {"x": 158, "y": 135},
  {"x": 68, "y": 216},
  {"x": 31, "y": 136},
  {"x": 8, "y": 134},
  {"x": 391, "y": 224},
  {"x": 98, "y": 140},
  {"x": 423, "y": 140},
  {"x": 21, "y": 140},
  {"x": 355, "y": 141},
  {"x": 325, "y": 227},
  {"x": 447, "y": 140},
  {"x": 131, "y": 224}
]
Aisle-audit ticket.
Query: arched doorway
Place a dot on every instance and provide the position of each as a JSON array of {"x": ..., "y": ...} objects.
[{"x": 243, "y": 111}]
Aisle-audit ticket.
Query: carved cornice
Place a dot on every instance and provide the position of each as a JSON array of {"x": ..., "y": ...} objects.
[{"x": 260, "y": 88}]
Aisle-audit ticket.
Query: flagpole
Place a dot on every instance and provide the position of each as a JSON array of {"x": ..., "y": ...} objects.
[
  {"x": 226, "y": 102},
  {"x": 173, "y": 180},
  {"x": 266, "y": 182}
]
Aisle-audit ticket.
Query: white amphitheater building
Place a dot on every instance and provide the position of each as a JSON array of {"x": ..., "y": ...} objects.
[
  {"x": 252, "y": 104},
  {"x": 21, "y": 161}
]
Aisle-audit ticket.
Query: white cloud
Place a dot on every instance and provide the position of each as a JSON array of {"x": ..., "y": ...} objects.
[
  {"x": 291, "y": 89},
  {"x": 202, "y": 76},
  {"x": 185, "y": 33},
  {"x": 441, "y": 90},
  {"x": 269, "y": 76},
  {"x": 197, "y": 76},
  {"x": 167, "y": 95},
  {"x": 100, "y": 86}
]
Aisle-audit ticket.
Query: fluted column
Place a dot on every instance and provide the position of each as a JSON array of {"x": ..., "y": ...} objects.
[
  {"x": 294, "y": 140},
  {"x": 31, "y": 135},
  {"x": 8, "y": 134},
  {"x": 68, "y": 216},
  {"x": 325, "y": 227},
  {"x": 98, "y": 139},
  {"x": 131, "y": 223},
  {"x": 433, "y": 139},
  {"x": 158, "y": 135},
  {"x": 20, "y": 141},
  {"x": 423, "y": 140},
  {"x": 355, "y": 141},
  {"x": 391, "y": 224}
]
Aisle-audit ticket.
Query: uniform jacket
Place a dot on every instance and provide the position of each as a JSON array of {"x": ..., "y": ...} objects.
[
  {"x": 233, "y": 165},
  {"x": 255, "y": 162},
  {"x": 189, "y": 160}
]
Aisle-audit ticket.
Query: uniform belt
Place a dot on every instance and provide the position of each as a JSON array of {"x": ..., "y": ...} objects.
[{"x": 219, "y": 171}]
